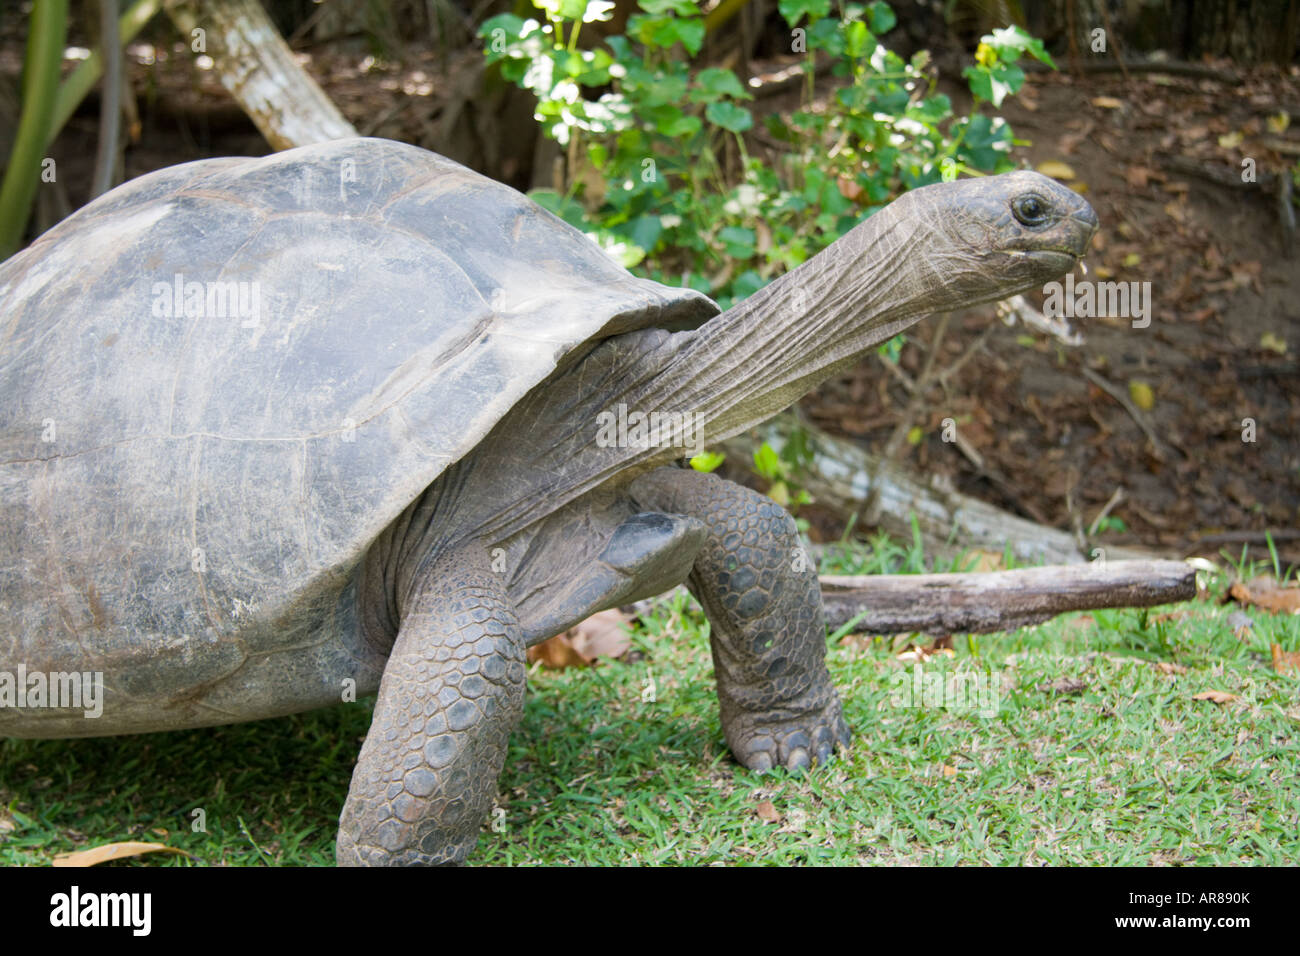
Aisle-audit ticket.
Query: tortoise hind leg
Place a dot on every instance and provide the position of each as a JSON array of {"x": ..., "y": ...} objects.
[
  {"x": 452, "y": 691},
  {"x": 767, "y": 625}
]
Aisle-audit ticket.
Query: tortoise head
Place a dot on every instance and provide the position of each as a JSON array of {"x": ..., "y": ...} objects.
[{"x": 976, "y": 240}]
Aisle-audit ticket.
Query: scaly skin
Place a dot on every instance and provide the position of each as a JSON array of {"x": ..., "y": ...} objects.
[
  {"x": 767, "y": 626},
  {"x": 451, "y": 694}
]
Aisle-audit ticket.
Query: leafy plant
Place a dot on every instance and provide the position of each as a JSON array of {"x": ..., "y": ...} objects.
[{"x": 659, "y": 171}]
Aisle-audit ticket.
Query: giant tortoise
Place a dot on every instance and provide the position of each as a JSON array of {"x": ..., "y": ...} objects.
[{"x": 344, "y": 417}]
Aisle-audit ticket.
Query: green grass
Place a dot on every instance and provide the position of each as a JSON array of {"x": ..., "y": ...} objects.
[{"x": 1096, "y": 755}]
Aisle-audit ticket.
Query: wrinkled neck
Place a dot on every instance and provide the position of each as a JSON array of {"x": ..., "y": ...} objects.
[
  {"x": 742, "y": 367},
  {"x": 737, "y": 370}
]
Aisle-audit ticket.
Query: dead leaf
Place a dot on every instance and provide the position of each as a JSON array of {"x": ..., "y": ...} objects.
[
  {"x": 767, "y": 812},
  {"x": 1285, "y": 662},
  {"x": 1142, "y": 395},
  {"x": 949, "y": 771},
  {"x": 1107, "y": 103},
  {"x": 850, "y": 189},
  {"x": 1056, "y": 169},
  {"x": 1264, "y": 593},
  {"x": 1218, "y": 696},
  {"x": 1168, "y": 667},
  {"x": 919, "y": 655},
  {"x": 986, "y": 560},
  {"x": 601, "y": 635},
  {"x": 557, "y": 653},
  {"x": 1137, "y": 177},
  {"x": 111, "y": 851},
  {"x": 1271, "y": 342}
]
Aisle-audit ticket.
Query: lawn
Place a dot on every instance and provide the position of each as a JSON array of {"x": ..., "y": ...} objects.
[{"x": 1095, "y": 751}]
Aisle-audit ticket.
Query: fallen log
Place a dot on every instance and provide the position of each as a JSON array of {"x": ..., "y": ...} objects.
[
  {"x": 998, "y": 600},
  {"x": 843, "y": 477},
  {"x": 260, "y": 71}
]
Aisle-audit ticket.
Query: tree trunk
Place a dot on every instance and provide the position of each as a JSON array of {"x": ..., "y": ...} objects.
[
  {"x": 1248, "y": 31},
  {"x": 258, "y": 68}
]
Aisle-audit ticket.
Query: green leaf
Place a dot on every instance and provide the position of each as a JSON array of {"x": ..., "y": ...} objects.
[
  {"x": 980, "y": 82},
  {"x": 511, "y": 24},
  {"x": 994, "y": 83},
  {"x": 882, "y": 17},
  {"x": 655, "y": 87},
  {"x": 707, "y": 461},
  {"x": 664, "y": 32},
  {"x": 729, "y": 116},
  {"x": 714, "y": 84},
  {"x": 680, "y": 126},
  {"x": 933, "y": 109},
  {"x": 796, "y": 10},
  {"x": 562, "y": 9},
  {"x": 858, "y": 41},
  {"x": 891, "y": 350},
  {"x": 691, "y": 34},
  {"x": 1010, "y": 42},
  {"x": 746, "y": 284},
  {"x": 768, "y": 463},
  {"x": 645, "y": 231},
  {"x": 738, "y": 241},
  {"x": 685, "y": 8},
  {"x": 827, "y": 35},
  {"x": 985, "y": 143}
]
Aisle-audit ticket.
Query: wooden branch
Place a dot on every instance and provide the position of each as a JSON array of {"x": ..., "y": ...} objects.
[
  {"x": 1135, "y": 413},
  {"x": 842, "y": 475},
  {"x": 260, "y": 71},
  {"x": 1285, "y": 213},
  {"x": 999, "y": 600}
]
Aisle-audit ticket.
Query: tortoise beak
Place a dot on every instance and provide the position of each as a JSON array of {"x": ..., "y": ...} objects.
[{"x": 1083, "y": 225}]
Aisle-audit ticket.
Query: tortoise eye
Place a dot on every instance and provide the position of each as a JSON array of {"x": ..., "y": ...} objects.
[{"x": 1029, "y": 210}]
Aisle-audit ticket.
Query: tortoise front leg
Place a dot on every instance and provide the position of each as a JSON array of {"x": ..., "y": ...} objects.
[
  {"x": 767, "y": 625},
  {"x": 452, "y": 692}
]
